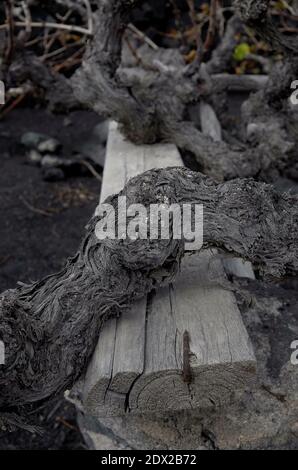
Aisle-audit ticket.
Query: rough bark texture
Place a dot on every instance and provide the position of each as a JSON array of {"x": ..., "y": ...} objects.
[
  {"x": 139, "y": 112},
  {"x": 255, "y": 14},
  {"x": 54, "y": 87},
  {"x": 150, "y": 112},
  {"x": 50, "y": 328}
]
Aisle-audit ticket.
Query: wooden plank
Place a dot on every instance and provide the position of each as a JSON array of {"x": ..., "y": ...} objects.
[
  {"x": 221, "y": 356},
  {"x": 209, "y": 122},
  {"x": 211, "y": 126},
  {"x": 245, "y": 83},
  {"x": 137, "y": 366},
  {"x": 238, "y": 267},
  {"x": 98, "y": 374},
  {"x": 124, "y": 338}
]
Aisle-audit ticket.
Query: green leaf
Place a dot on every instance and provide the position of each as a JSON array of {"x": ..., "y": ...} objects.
[
  {"x": 280, "y": 5},
  {"x": 241, "y": 51}
]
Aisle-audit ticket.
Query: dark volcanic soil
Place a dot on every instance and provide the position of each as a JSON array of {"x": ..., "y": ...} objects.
[{"x": 41, "y": 225}]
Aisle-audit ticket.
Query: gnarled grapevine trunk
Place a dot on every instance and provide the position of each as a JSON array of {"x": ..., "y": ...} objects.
[
  {"x": 50, "y": 328},
  {"x": 157, "y": 112}
]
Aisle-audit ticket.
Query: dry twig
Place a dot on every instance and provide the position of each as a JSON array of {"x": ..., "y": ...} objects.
[
  {"x": 212, "y": 26},
  {"x": 13, "y": 105},
  {"x": 142, "y": 36},
  {"x": 92, "y": 170},
  {"x": 29, "y": 206},
  {"x": 46, "y": 24},
  {"x": 197, "y": 28},
  {"x": 10, "y": 27}
]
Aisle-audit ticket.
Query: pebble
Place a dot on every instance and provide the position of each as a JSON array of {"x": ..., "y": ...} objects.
[
  {"x": 50, "y": 161},
  {"x": 49, "y": 146},
  {"x": 53, "y": 174},
  {"x": 34, "y": 157},
  {"x": 33, "y": 139},
  {"x": 67, "y": 122}
]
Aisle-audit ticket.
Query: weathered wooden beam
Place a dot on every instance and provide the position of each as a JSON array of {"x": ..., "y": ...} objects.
[
  {"x": 247, "y": 83},
  {"x": 211, "y": 127},
  {"x": 137, "y": 365}
]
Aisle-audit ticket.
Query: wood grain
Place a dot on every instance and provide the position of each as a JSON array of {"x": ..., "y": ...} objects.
[{"x": 138, "y": 364}]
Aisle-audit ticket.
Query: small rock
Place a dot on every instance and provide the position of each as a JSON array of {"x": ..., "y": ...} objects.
[
  {"x": 50, "y": 161},
  {"x": 34, "y": 157},
  {"x": 67, "y": 122},
  {"x": 49, "y": 146},
  {"x": 33, "y": 139},
  {"x": 53, "y": 174}
]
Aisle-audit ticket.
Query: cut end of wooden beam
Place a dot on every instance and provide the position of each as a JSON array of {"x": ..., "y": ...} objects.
[{"x": 211, "y": 386}]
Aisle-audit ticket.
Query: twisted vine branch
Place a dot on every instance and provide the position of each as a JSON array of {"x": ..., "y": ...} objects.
[{"x": 50, "y": 328}]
